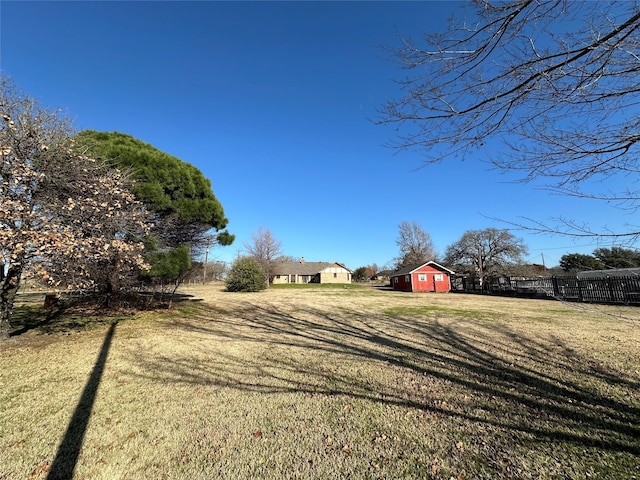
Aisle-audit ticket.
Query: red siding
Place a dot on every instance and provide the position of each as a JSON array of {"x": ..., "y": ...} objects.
[
  {"x": 401, "y": 283},
  {"x": 428, "y": 283}
]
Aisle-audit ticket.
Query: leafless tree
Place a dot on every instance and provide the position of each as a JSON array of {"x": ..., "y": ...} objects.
[
  {"x": 546, "y": 88},
  {"x": 415, "y": 245},
  {"x": 482, "y": 253},
  {"x": 265, "y": 249},
  {"x": 286, "y": 258},
  {"x": 216, "y": 270},
  {"x": 372, "y": 269}
]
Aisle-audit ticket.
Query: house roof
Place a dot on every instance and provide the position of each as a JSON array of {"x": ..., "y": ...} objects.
[
  {"x": 412, "y": 268},
  {"x": 385, "y": 273},
  {"x": 616, "y": 272},
  {"x": 303, "y": 268},
  {"x": 299, "y": 268}
]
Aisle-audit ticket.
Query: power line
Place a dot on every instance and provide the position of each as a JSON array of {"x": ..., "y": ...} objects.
[{"x": 597, "y": 245}]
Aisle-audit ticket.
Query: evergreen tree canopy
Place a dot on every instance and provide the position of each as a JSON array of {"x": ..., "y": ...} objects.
[
  {"x": 178, "y": 193},
  {"x": 361, "y": 274},
  {"x": 578, "y": 262},
  {"x": 618, "y": 257},
  {"x": 169, "y": 266}
]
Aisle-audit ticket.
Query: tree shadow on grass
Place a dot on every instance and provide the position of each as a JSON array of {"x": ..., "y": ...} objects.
[
  {"x": 535, "y": 388},
  {"x": 68, "y": 452},
  {"x": 29, "y": 318},
  {"x": 78, "y": 312},
  {"x": 26, "y": 318}
]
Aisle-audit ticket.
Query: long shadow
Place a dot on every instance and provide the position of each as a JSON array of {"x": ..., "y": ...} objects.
[
  {"x": 549, "y": 405},
  {"x": 67, "y": 455}
]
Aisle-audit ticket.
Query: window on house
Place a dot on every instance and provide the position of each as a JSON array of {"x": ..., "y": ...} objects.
[
  {"x": 422, "y": 277},
  {"x": 335, "y": 275},
  {"x": 438, "y": 277},
  {"x": 406, "y": 278}
]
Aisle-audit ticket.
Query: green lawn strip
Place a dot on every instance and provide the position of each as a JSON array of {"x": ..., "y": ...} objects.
[
  {"x": 314, "y": 286},
  {"x": 408, "y": 311}
]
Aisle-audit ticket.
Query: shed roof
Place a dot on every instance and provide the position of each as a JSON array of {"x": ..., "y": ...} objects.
[{"x": 412, "y": 268}]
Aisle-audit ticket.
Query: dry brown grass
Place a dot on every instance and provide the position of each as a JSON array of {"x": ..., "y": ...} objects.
[{"x": 329, "y": 383}]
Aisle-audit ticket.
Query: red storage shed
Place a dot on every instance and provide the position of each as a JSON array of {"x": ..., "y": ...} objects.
[{"x": 424, "y": 277}]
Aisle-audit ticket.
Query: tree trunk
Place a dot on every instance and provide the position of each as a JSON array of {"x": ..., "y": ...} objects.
[
  {"x": 8, "y": 294},
  {"x": 113, "y": 281}
]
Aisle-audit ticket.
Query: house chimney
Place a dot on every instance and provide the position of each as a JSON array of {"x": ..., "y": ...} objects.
[{"x": 302, "y": 260}]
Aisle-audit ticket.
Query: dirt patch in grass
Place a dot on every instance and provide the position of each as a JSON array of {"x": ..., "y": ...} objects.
[{"x": 330, "y": 383}]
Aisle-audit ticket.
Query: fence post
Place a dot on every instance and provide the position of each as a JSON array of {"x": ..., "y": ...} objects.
[
  {"x": 611, "y": 294},
  {"x": 580, "y": 297},
  {"x": 554, "y": 283}
]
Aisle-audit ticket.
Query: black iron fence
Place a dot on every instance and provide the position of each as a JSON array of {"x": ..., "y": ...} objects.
[{"x": 625, "y": 290}]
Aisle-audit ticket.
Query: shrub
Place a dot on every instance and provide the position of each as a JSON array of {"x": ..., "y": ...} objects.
[
  {"x": 170, "y": 265},
  {"x": 246, "y": 275}
]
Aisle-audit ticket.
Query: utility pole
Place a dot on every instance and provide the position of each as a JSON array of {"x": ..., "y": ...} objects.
[{"x": 206, "y": 260}]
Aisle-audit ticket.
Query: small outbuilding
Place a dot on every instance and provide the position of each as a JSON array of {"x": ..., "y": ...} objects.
[{"x": 424, "y": 277}]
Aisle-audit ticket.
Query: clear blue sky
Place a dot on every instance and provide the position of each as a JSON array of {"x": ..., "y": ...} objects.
[{"x": 272, "y": 101}]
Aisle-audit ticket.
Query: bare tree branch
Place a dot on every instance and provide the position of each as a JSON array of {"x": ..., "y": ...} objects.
[
  {"x": 415, "y": 245},
  {"x": 548, "y": 89},
  {"x": 265, "y": 249}
]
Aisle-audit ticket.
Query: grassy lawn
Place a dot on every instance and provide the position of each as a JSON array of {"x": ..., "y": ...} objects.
[{"x": 326, "y": 383}]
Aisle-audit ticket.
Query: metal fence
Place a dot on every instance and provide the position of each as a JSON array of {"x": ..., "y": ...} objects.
[{"x": 625, "y": 290}]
